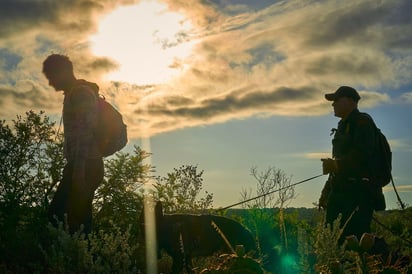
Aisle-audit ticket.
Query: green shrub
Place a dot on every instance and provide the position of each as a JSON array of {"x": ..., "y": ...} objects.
[{"x": 100, "y": 252}]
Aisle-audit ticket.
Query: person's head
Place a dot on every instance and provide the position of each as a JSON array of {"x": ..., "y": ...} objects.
[
  {"x": 345, "y": 100},
  {"x": 58, "y": 69}
]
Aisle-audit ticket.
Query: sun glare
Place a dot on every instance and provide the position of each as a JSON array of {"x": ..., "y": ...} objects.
[{"x": 145, "y": 40}]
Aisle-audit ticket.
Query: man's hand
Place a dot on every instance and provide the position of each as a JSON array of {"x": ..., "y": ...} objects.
[
  {"x": 329, "y": 166},
  {"x": 323, "y": 202}
]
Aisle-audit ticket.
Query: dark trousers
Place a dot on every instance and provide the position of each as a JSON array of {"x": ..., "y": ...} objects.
[
  {"x": 76, "y": 202},
  {"x": 356, "y": 208}
]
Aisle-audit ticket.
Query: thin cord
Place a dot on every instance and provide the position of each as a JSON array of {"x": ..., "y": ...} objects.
[
  {"x": 270, "y": 192},
  {"x": 397, "y": 195}
]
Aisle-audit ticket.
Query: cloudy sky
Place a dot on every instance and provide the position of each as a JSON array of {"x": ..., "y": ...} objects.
[{"x": 226, "y": 85}]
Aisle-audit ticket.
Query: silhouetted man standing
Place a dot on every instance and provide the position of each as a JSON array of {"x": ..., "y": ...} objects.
[
  {"x": 84, "y": 169},
  {"x": 351, "y": 186}
]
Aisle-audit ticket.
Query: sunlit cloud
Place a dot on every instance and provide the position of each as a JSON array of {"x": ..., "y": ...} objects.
[
  {"x": 317, "y": 155},
  {"x": 372, "y": 98},
  {"x": 399, "y": 188},
  {"x": 400, "y": 145}
]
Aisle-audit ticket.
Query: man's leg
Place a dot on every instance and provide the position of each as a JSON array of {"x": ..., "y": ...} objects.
[
  {"x": 58, "y": 206},
  {"x": 345, "y": 204},
  {"x": 94, "y": 177},
  {"x": 81, "y": 199},
  {"x": 362, "y": 220}
]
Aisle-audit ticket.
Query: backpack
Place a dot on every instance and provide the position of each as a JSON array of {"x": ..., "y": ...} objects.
[
  {"x": 111, "y": 132},
  {"x": 383, "y": 170},
  {"x": 384, "y": 164}
]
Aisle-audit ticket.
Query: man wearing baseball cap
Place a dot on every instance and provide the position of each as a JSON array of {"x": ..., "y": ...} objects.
[{"x": 350, "y": 189}]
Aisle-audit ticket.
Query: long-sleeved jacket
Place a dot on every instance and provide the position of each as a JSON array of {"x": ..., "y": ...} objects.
[
  {"x": 354, "y": 148},
  {"x": 354, "y": 145},
  {"x": 80, "y": 120}
]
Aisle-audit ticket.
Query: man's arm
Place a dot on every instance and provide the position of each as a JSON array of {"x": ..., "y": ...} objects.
[{"x": 84, "y": 106}]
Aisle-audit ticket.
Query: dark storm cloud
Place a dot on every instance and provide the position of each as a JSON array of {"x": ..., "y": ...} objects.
[
  {"x": 98, "y": 65},
  {"x": 362, "y": 22},
  {"x": 19, "y": 16},
  {"x": 16, "y": 16},
  {"x": 31, "y": 98},
  {"x": 344, "y": 64},
  {"x": 212, "y": 108}
]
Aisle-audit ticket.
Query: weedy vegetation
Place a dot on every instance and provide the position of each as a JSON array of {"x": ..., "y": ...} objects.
[{"x": 288, "y": 240}]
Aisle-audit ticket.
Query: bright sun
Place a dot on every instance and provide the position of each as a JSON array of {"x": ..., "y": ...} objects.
[{"x": 146, "y": 40}]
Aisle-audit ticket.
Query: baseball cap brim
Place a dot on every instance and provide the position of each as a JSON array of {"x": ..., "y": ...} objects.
[{"x": 331, "y": 96}]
